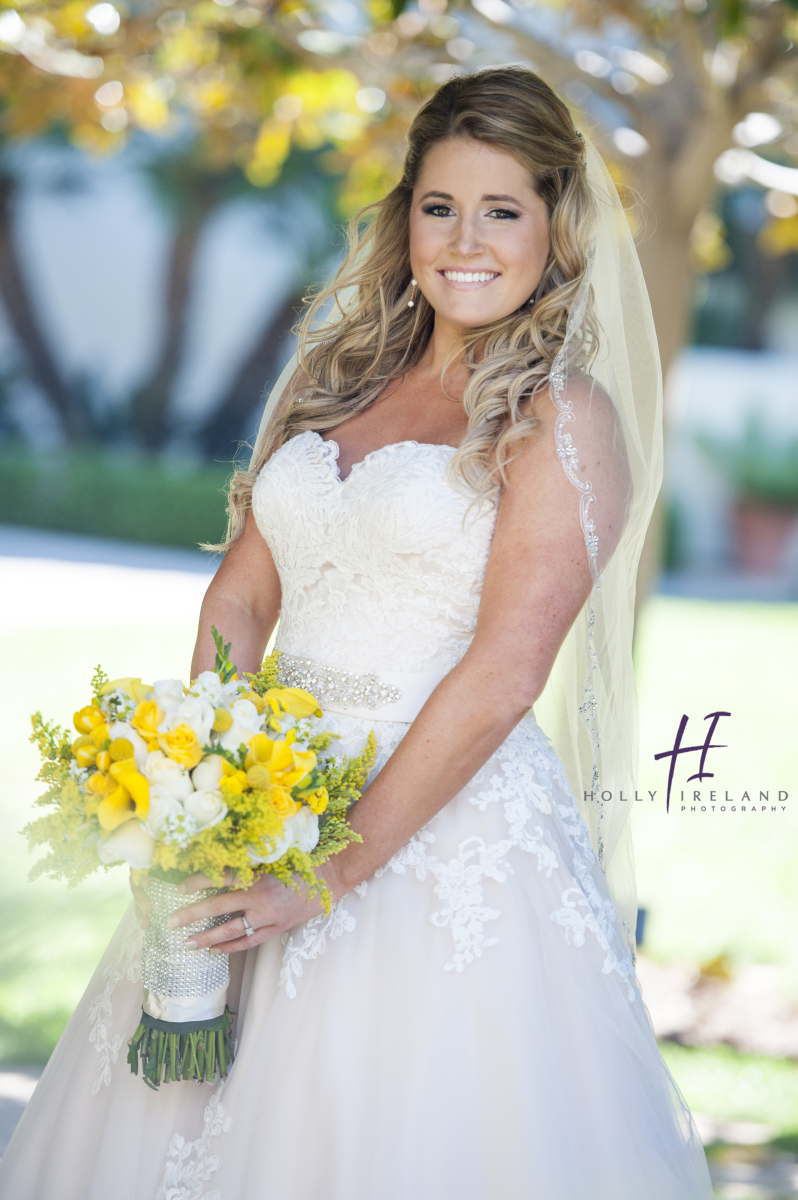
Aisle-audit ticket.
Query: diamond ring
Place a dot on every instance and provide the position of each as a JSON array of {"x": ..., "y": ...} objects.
[{"x": 248, "y": 930}]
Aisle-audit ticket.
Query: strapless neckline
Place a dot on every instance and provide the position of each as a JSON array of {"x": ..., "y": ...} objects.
[{"x": 331, "y": 457}]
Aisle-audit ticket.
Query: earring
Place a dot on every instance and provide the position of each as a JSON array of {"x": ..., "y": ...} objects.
[{"x": 411, "y": 302}]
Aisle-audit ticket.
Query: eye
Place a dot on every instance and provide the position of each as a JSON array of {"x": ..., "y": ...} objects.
[
  {"x": 504, "y": 214},
  {"x": 438, "y": 210}
]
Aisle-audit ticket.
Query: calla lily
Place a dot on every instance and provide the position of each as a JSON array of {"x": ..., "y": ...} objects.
[
  {"x": 135, "y": 783},
  {"x": 286, "y": 764},
  {"x": 134, "y": 687},
  {"x": 295, "y": 701},
  {"x": 115, "y": 809}
]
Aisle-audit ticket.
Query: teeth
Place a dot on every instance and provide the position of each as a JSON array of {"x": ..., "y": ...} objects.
[{"x": 470, "y": 276}]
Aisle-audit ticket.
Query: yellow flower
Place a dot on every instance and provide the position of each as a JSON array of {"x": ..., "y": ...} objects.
[
  {"x": 120, "y": 748},
  {"x": 116, "y": 808},
  {"x": 295, "y": 701},
  {"x": 181, "y": 744},
  {"x": 99, "y": 734},
  {"x": 134, "y": 783},
  {"x": 260, "y": 750},
  {"x": 222, "y": 720},
  {"x": 233, "y": 781},
  {"x": 84, "y": 749},
  {"x": 100, "y": 784},
  {"x": 257, "y": 700},
  {"x": 259, "y": 776},
  {"x": 147, "y": 716},
  {"x": 280, "y": 800},
  {"x": 134, "y": 688},
  {"x": 317, "y": 800},
  {"x": 88, "y": 718},
  {"x": 104, "y": 759}
]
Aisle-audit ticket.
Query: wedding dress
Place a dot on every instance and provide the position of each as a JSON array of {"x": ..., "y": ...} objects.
[{"x": 466, "y": 1025}]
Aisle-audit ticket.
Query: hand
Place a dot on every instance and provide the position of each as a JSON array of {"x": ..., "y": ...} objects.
[{"x": 268, "y": 905}]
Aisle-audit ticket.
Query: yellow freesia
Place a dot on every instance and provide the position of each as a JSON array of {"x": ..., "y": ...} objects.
[
  {"x": 182, "y": 745},
  {"x": 84, "y": 749},
  {"x": 147, "y": 716},
  {"x": 295, "y": 701},
  {"x": 260, "y": 750},
  {"x": 104, "y": 759},
  {"x": 133, "y": 687},
  {"x": 88, "y": 718},
  {"x": 126, "y": 775},
  {"x": 317, "y": 800},
  {"x": 100, "y": 734}
]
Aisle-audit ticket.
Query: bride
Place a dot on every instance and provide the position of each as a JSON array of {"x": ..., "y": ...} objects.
[{"x": 449, "y": 493}]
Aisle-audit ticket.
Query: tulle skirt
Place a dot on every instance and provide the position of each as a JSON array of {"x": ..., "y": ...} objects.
[{"x": 464, "y": 1026}]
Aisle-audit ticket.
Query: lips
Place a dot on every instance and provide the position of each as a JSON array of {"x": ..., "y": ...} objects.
[{"x": 470, "y": 276}]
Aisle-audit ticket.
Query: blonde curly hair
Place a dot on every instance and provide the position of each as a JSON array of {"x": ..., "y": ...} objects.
[{"x": 345, "y": 362}]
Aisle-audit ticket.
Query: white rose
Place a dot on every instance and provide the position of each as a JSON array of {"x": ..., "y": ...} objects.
[
  {"x": 168, "y": 694},
  {"x": 208, "y": 774},
  {"x": 303, "y": 829},
  {"x": 166, "y": 773},
  {"x": 163, "y": 802},
  {"x": 205, "y": 808},
  {"x": 128, "y": 843},
  {"x": 247, "y": 721},
  {"x": 280, "y": 847},
  {"x": 121, "y": 729},
  {"x": 197, "y": 714}
]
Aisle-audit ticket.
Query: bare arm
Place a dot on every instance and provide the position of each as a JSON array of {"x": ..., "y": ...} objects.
[
  {"x": 536, "y": 582},
  {"x": 243, "y": 602}
]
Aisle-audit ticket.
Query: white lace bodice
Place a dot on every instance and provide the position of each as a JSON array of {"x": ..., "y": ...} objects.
[{"x": 381, "y": 570}]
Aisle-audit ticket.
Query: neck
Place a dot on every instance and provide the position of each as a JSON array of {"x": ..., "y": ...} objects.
[{"x": 445, "y": 348}]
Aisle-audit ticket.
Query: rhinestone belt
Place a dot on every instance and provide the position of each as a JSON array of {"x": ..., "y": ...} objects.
[{"x": 332, "y": 685}]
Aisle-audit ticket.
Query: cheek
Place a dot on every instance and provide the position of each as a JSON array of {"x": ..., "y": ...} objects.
[{"x": 424, "y": 242}]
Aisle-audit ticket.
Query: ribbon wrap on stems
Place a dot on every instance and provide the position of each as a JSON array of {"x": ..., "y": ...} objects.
[{"x": 185, "y": 1030}]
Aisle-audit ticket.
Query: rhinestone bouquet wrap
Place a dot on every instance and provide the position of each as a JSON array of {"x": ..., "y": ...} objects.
[{"x": 171, "y": 1050}]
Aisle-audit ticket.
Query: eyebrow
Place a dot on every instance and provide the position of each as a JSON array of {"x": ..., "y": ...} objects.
[{"x": 490, "y": 199}]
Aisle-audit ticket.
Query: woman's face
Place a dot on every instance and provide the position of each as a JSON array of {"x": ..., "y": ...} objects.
[{"x": 479, "y": 232}]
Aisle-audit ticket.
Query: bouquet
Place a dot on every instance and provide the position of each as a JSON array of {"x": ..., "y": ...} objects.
[{"x": 228, "y": 775}]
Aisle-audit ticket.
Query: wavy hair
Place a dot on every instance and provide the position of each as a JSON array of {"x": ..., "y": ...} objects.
[{"x": 346, "y": 361}]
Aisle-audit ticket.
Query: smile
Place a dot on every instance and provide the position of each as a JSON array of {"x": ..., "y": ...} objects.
[{"x": 470, "y": 276}]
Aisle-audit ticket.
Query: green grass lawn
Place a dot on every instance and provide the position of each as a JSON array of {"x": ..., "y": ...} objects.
[{"x": 713, "y": 883}]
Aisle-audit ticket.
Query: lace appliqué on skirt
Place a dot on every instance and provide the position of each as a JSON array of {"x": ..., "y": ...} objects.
[
  {"x": 189, "y": 1165},
  {"x": 125, "y": 963}
]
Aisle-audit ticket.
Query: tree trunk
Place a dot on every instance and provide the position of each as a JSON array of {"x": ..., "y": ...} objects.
[
  {"x": 40, "y": 362},
  {"x": 222, "y": 433},
  {"x": 151, "y": 403}
]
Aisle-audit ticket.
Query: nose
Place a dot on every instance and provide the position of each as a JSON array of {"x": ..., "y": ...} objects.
[{"x": 465, "y": 237}]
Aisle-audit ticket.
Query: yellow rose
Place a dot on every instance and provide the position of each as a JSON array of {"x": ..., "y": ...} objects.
[
  {"x": 280, "y": 800},
  {"x": 86, "y": 719},
  {"x": 295, "y": 701},
  {"x": 147, "y": 716},
  {"x": 100, "y": 784},
  {"x": 84, "y": 749},
  {"x": 181, "y": 744}
]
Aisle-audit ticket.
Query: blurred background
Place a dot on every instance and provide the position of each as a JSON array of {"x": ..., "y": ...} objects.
[{"x": 172, "y": 180}]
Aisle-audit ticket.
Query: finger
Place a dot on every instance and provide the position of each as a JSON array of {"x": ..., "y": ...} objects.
[
  {"x": 214, "y": 906},
  {"x": 234, "y": 928},
  {"x": 140, "y": 898},
  {"x": 260, "y": 935},
  {"x": 142, "y": 918}
]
